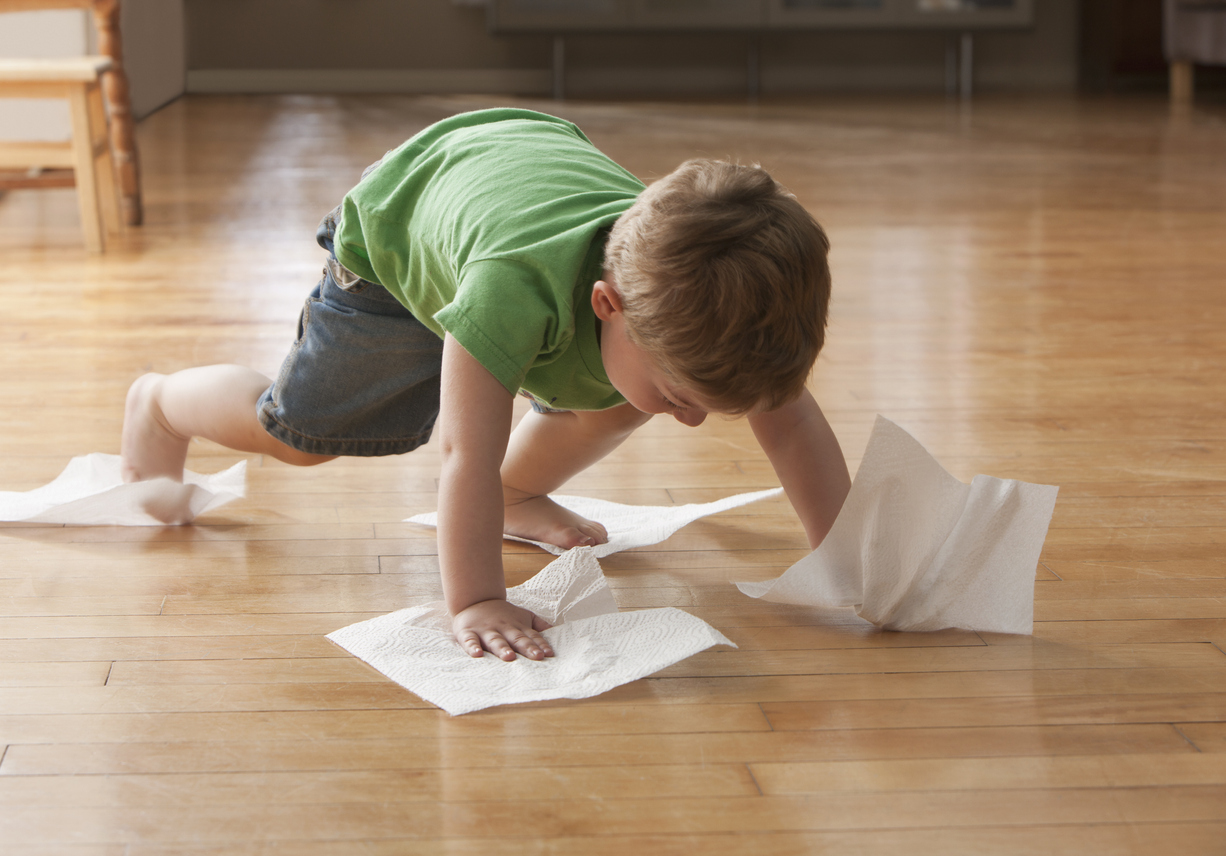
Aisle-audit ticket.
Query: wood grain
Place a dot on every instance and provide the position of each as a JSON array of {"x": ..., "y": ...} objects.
[{"x": 1031, "y": 286}]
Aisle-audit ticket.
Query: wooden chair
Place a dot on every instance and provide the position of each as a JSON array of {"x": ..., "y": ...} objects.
[{"x": 103, "y": 147}]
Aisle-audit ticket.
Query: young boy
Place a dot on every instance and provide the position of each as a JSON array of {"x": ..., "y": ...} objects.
[{"x": 500, "y": 252}]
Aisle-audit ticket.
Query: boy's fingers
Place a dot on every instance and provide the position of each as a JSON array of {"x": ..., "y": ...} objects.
[
  {"x": 497, "y": 645},
  {"x": 476, "y": 645},
  {"x": 509, "y": 640},
  {"x": 525, "y": 645},
  {"x": 471, "y": 643},
  {"x": 542, "y": 644},
  {"x": 546, "y": 648},
  {"x": 502, "y": 649}
]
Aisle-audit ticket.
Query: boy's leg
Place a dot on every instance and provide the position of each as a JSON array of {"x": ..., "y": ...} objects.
[
  {"x": 545, "y": 450},
  {"x": 163, "y": 413}
]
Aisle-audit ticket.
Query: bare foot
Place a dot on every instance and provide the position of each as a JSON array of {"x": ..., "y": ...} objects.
[
  {"x": 149, "y": 448},
  {"x": 539, "y": 518}
]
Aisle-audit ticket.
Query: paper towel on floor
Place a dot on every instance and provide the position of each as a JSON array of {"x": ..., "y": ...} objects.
[
  {"x": 631, "y": 525},
  {"x": 596, "y": 648},
  {"x": 915, "y": 549},
  {"x": 91, "y": 492}
]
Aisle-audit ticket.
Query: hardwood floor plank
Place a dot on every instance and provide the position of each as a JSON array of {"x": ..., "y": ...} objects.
[
  {"x": 388, "y": 753},
  {"x": 389, "y": 786},
  {"x": 858, "y": 635},
  {"x": 1115, "y": 544},
  {"x": 1208, "y": 568},
  {"x": 141, "y": 541},
  {"x": 1193, "y": 839},
  {"x": 84, "y": 627},
  {"x": 1080, "y": 590},
  {"x": 186, "y": 698},
  {"x": 829, "y": 811},
  {"x": 1133, "y": 608},
  {"x": 89, "y": 674},
  {"x": 173, "y": 698},
  {"x": 62, "y": 572},
  {"x": 1037, "y": 655},
  {"x": 11, "y": 607},
  {"x": 1110, "y": 632},
  {"x": 341, "y": 669},
  {"x": 1205, "y": 736},
  {"x": 166, "y": 648},
  {"x": 215, "y": 532},
  {"x": 371, "y": 724},
  {"x": 965, "y": 774},
  {"x": 61, "y": 849},
  {"x": 1137, "y": 708}
]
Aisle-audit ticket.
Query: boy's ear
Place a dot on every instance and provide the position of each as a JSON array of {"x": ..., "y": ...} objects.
[{"x": 606, "y": 302}]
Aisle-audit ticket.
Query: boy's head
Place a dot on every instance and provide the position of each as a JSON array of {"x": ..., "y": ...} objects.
[{"x": 723, "y": 280}]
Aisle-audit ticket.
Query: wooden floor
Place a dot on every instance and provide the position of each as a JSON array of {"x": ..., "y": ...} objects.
[{"x": 1034, "y": 288}]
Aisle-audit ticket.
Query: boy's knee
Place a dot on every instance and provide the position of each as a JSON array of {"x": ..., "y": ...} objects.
[
  {"x": 289, "y": 455},
  {"x": 622, "y": 419}
]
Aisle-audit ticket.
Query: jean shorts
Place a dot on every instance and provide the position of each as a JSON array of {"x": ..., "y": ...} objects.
[{"x": 362, "y": 377}]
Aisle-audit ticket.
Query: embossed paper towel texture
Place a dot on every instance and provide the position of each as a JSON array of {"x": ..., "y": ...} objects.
[
  {"x": 632, "y": 526},
  {"x": 915, "y": 549},
  {"x": 596, "y": 647},
  {"x": 91, "y": 492}
]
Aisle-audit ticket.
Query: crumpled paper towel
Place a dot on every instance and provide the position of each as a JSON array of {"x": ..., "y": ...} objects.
[
  {"x": 91, "y": 492},
  {"x": 913, "y": 548},
  {"x": 596, "y": 648},
  {"x": 630, "y": 526}
]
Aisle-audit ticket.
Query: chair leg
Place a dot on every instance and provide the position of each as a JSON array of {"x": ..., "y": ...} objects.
[
  {"x": 104, "y": 163},
  {"x": 123, "y": 134},
  {"x": 123, "y": 147},
  {"x": 83, "y": 163},
  {"x": 1182, "y": 82}
]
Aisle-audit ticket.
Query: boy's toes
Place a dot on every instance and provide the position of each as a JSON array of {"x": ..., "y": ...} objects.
[
  {"x": 572, "y": 537},
  {"x": 595, "y": 532},
  {"x": 580, "y": 536}
]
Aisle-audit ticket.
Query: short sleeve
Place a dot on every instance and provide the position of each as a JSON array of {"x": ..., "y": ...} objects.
[{"x": 509, "y": 317}]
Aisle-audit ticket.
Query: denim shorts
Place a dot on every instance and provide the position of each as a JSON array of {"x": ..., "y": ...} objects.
[{"x": 362, "y": 377}]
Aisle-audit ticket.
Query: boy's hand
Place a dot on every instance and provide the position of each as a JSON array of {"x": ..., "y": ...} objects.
[{"x": 501, "y": 628}]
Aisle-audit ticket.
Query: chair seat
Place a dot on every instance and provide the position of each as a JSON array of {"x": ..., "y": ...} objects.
[
  {"x": 83, "y": 68},
  {"x": 101, "y": 161}
]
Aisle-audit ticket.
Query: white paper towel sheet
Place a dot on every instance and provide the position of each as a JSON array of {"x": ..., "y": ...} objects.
[
  {"x": 631, "y": 526},
  {"x": 915, "y": 549},
  {"x": 596, "y": 648},
  {"x": 91, "y": 492}
]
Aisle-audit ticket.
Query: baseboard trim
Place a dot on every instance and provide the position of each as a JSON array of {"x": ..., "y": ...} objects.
[
  {"x": 603, "y": 81},
  {"x": 407, "y": 81}
]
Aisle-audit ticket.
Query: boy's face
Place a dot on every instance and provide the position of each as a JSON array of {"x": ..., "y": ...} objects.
[{"x": 631, "y": 371}]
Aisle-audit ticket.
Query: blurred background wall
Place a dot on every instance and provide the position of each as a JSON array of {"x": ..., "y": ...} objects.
[{"x": 444, "y": 45}]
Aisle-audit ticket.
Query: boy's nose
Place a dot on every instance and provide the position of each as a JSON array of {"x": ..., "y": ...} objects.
[{"x": 690, "y": 416}]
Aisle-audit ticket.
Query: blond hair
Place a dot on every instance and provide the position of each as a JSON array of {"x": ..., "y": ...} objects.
[{"x": 723, "y": 278}]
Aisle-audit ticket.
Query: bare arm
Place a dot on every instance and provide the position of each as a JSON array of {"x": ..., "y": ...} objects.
[
  {"x": 474, "y": 424},
  {"x": 806, "y": 456}
]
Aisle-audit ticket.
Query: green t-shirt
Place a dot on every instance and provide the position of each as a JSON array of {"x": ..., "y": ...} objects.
[{"x": 491, "y": 226}]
